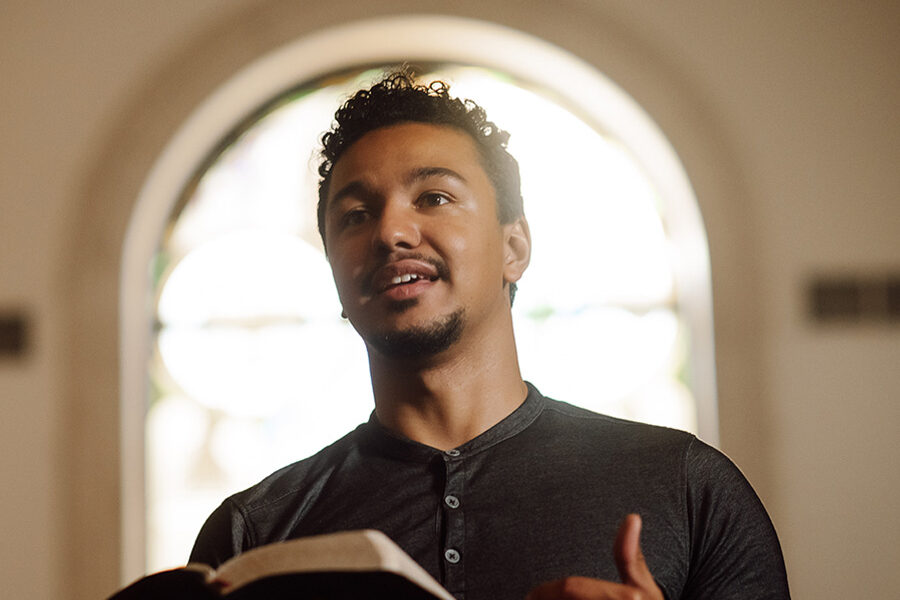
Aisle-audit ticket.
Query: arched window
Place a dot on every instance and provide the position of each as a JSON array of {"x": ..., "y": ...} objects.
[{"x": 250, "y": 365}]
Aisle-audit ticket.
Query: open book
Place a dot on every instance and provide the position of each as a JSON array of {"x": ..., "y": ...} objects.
[{"x": 337, "y": 566}]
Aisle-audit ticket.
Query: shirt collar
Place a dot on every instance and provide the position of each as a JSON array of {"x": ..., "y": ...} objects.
[{"x": 383, "y": 441}]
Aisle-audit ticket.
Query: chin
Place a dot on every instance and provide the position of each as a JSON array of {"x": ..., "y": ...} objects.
[{"x": 420, "y": 340}]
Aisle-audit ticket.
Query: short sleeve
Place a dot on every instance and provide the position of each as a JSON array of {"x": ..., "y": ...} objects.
[
  {"x": 223, "y": 536},
  {"x": 735, "y": 552}
]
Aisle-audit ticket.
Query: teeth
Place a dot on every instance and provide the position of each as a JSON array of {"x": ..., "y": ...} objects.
[{"x": 406, "y": 278}]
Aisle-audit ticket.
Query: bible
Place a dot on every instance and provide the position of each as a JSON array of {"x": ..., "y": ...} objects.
[{"x": 338, "y": 566}]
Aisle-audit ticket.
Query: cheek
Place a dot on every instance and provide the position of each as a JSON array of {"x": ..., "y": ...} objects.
[
  {"x": 348, "y": 277},
  {"x": 346, "y": 260},
  {"x": 342, "y": 271},
  {"x": 480, "y": 257}
]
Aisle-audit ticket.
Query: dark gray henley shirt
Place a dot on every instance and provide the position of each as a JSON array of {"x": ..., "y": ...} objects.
[{"x": 537, "y": 497}]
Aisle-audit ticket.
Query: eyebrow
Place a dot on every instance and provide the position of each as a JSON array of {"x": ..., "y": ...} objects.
[
  {"x": 358, "y": 188},
  {"x": 421, "y": 173},
  {"x": 354, "y": 188}
]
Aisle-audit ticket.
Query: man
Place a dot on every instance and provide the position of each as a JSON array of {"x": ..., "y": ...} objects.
[{"x": 496, "y": 490}]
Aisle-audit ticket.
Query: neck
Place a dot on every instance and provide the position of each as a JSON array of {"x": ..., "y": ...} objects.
[{"x": 448, "y": 399}]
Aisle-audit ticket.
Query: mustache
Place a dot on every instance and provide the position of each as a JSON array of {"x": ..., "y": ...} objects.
[{"x": 443, "y": 271}]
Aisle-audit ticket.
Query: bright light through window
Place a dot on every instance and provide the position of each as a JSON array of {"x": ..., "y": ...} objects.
[{"x": 254, "y": 368}]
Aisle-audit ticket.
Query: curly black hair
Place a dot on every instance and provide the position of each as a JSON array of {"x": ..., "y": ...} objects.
[{"x": 397, "y": 98}]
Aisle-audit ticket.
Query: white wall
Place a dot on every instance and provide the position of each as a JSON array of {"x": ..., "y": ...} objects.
[{"x": 783, "y": 112}]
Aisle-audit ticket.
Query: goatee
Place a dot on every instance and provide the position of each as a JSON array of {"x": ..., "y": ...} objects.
[{"x": 421, "y": 341}]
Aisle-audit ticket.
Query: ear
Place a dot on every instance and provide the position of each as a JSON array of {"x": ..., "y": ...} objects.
[{"x": 516, "y": 249}]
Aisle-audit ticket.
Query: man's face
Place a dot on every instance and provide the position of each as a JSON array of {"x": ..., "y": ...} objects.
[{"x": 411, "y": 229}]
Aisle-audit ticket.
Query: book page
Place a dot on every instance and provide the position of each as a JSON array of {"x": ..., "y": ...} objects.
[{"x": 363, "y": 550}]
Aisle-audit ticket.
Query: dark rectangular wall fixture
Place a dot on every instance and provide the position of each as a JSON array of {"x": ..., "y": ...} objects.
[
  {"x": 869, "y": 298},
  {"x": 13, "y": 335}
]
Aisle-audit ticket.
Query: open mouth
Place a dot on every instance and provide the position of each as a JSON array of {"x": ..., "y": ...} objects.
[
  {"x": 407, "y": 286},
  {"x": 405, "y": 273},
  {"x": 410, "y": 278}
]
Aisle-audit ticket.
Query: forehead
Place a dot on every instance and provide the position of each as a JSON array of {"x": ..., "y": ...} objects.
[{"x": 390, "y": 151}]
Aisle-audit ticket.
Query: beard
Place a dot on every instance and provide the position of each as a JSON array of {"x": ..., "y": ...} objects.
[{"x": 420, "y": 341}]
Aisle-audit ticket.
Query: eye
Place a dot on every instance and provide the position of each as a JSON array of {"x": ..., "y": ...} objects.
[
  {"x": 355, "y": 216},
  {"x": 431, "y": 199}
]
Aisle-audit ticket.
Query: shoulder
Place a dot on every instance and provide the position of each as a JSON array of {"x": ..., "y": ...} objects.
[
  {"x": 299, "y": 476},
  {"x": 705, "y": 473},
  {"x": 616, "y": 434},
  {"x": 233, "y": 527}
]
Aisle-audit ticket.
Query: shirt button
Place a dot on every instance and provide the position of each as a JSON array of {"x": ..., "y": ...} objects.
[
  {"x": 451, "y": 555},
  {"x": 452, "y": 501},
  {"x": 453, "y": 452}
]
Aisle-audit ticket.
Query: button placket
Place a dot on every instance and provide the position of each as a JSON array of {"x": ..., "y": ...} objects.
[{"x": 454, "y": 551}]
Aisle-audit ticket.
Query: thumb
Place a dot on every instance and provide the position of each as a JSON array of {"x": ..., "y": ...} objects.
[{"x": 630, "y": 561}]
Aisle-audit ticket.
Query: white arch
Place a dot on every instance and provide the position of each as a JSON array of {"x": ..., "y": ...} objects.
[{"x": 387, "y": 40}]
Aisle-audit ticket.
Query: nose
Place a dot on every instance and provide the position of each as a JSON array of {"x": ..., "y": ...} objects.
[{"x": 397, "y": 227}]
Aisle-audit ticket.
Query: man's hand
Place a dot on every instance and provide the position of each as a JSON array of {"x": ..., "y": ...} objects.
[{"x": 637, "y": 582}]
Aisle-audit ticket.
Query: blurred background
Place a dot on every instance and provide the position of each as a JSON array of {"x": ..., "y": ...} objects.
[{"x": 149, "y": 235}]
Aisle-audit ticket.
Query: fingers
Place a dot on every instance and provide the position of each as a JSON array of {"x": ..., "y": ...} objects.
[
  {"x": 627, "y": 545},
  {"x": 630, "y": 561}
]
